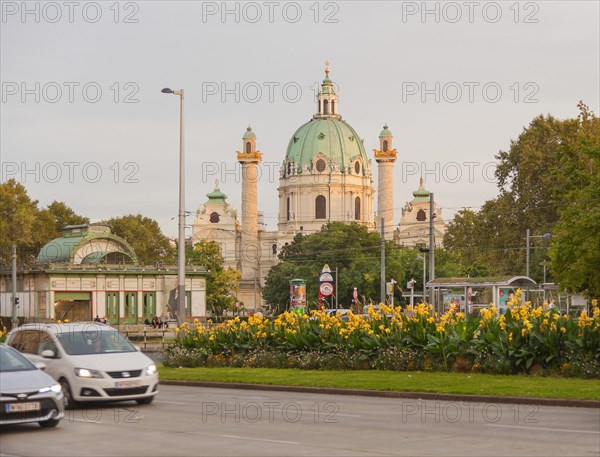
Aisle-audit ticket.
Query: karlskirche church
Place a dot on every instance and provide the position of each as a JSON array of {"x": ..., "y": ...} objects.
[{"x": 326, "y": 176}]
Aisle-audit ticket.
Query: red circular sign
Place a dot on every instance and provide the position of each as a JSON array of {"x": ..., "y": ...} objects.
[{"x": 326, "y": 289}]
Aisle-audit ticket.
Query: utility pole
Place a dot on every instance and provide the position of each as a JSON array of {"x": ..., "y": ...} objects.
[
  {"x": 254, "y": 294},
  {"x": 382, "y": 221},
  {"x": 527, "y": 236},
  {"x": 14, "y": 320},
  {"x": 424, "y": 252},
  {"x": 431, "y": 247},
  {"x": 336, "y": 287}
]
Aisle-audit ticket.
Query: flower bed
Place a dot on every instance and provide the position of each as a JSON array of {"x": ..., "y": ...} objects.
[{"x": 524, "y": 340}]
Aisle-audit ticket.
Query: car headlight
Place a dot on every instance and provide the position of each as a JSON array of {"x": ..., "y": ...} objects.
[
  {"x": 87, "y": 373},
  {"x": 151, "y": 369},
  {"x": 54, "y": 388}
]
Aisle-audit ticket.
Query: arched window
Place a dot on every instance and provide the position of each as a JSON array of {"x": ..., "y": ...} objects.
[
  {"x": 320, "y": 165},
  {"x": 357, "y": 167},
  {"x": 357, "y": 208},
  {"x": 214, "y": 218},
  {"x": 320, "y": 207},
  {"x": 421, "y": 216},
  {"x": 325, "y": 106},
  {"x": 289, "y": 209},
  {"x": 332, "y": 106},
  {"x": 385, "y": 145},
  {"x": 248, "y": 147}
]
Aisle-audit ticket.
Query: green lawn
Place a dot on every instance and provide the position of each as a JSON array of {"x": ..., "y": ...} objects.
[{"x": 457, "y": 383}]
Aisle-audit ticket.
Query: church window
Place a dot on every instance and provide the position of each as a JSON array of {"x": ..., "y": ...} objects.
[
  {"x": 320, "y": 207},
  {"x": 357, "y": 167},
  {"x": 248, "y": 147},
  {"x": 321, "y": 165},
  {"x": 325, "y": 106},
  {"x": 214, "y": 218},
  {"x": 332, "y": 106},
  {"x": 385, "y": 145},
  {"x": 357, "y": 208},
  {"x": 421, "y": 216},
  {"x": 289, "y": 209},
  {"x": 274, "y": 247}
]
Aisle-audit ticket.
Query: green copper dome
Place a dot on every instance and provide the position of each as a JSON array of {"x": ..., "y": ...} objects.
[
  {"x": 385, "y": 132},
  {"x": 421, "y": 194},
  {"x": 249, "y": 133},
  {"x": 216, "y": 197},
  {"x": 330, "y": 136},
  {"x": 94, "y": 242}
]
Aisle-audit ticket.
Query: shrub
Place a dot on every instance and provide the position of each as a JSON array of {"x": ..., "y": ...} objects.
[{"x": 526, "y": 340}]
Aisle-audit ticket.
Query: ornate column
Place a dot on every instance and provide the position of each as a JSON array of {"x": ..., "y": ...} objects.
[
  {"x": 385, "y": 158},
  {"x": 249, "y": 158}
]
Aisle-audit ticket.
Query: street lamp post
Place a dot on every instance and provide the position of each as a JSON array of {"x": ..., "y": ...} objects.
[
  {"x": 424, "y": 251},
  {"x": 543, "y": 264},
  {"x": 181, "y": 238},
  {"x": 528, "y": 236}
]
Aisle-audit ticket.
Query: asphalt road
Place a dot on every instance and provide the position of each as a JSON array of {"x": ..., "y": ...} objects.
[{"x": 190, "y": 421}]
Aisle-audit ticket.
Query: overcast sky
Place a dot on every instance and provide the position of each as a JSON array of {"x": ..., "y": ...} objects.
[{"x": 83, "y": 120}]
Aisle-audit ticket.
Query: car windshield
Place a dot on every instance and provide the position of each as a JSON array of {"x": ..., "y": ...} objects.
[
  {"x": 11, "y": 360},
  {"x": 94, "y": 341}
]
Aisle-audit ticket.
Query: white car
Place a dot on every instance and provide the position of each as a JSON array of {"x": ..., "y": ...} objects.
[
  {"x": 90, "y": 360},
  {"x": 27, "y": 394}
]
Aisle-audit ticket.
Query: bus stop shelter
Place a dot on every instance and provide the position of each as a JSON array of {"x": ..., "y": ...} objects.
[{"x": 500, "y": 286}]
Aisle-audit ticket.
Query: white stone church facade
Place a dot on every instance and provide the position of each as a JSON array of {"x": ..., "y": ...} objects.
[{"x": 326, "y": 176}]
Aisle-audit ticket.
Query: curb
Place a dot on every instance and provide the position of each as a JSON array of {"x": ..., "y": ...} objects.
[{"x": 392, "y": 394}]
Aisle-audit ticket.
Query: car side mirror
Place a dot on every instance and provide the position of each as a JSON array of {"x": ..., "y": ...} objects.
[
  {"x": 48, "y": 354},
  {"x": 40, "y": 365}
]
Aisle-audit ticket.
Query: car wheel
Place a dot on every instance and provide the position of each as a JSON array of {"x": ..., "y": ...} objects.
[
  {"x": 49, "y": 423},
  {"x": 68, "y": 400},
  {"x": 145, "y": 400}
]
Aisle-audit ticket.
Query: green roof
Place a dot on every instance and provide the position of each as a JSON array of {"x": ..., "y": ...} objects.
[
  {"x": 333, "y": 137},
  {"x": 421, "y": 194},
  {"x": 216, "y": 197},
  {"x": 249, "y": 134},
  {"x": 327, "y": 86},
  {"x": 64, "y": 248},
  {"x": 59, "y": 250},
  {"x": 385, "y": 132}
]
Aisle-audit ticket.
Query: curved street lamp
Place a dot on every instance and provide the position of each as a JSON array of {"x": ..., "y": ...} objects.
[{"x": 181, "y": 315}]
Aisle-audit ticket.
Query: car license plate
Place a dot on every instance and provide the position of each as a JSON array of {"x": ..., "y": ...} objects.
[
  {"x": 125, "y": 384},
  {"x": 23, "y": 407}
]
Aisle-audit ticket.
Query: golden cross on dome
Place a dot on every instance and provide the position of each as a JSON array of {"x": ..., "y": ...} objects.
[{"x": 327, "y": 68}]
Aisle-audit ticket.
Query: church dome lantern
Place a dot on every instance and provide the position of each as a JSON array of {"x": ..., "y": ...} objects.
[
  {"x": 421, "y": 194},
  {"x": 325, "y": 138}
]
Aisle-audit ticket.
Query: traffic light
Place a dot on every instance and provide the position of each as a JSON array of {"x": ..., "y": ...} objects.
[{"x": 16, "y": 300}]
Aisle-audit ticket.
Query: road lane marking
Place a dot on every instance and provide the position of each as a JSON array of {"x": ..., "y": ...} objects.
[
  {"x": 181, "y": 403},
  {"x": 87, "y": 421},
  {"x": 545, "y": 428},
  {"x": 249, "y": 438}
]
